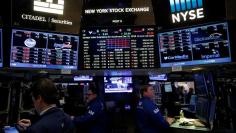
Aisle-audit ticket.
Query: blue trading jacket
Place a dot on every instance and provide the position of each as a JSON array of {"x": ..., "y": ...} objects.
[
  {"x": 149, "y": 118},
  {"x": 94, "y": 119},
  {"x": 52, "y": 121}
]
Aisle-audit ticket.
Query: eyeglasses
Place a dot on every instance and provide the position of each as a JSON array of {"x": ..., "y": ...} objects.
[{"x": 89, "y": 94}]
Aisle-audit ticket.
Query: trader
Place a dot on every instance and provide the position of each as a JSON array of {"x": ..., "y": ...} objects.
[
  {"x": 94, "y": 120},
  {"x": 148, "y": 116},
  {"x": 51, "y": 119}
]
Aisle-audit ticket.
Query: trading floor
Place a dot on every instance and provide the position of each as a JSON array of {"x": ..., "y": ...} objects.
[{"x": 117, "y": 66}]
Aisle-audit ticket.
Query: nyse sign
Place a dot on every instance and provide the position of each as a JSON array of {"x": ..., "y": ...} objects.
[
  {"x": 188, "y": 15},
  {"x": 185, "y": 10}
]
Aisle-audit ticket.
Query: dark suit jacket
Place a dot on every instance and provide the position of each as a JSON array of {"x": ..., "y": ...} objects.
[{"x": 52, "y": 121}]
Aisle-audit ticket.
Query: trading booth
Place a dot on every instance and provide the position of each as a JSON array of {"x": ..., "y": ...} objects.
[{"x": 183, "y": 48}]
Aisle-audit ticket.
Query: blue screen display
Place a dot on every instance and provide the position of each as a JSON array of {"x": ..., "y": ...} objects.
[
  {"x": 199, "y": 45},
  {"x": 0, "y": 47},
  {"x": 118, "y": 84},
  {"x": 10, "y": 130},
  {"x": 168, "y": 88},
  {"x": 83, "y": 78},
  {"x": 160, "y": 77},
  {"x": 44, "y": 50}
]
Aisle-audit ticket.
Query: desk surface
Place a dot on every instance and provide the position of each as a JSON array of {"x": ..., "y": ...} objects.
[{"x": 193, "y": 126}]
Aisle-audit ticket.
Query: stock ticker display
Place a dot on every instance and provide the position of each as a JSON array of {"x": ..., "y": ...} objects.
[
  {"x": 118, "y": 48},
  {"x": 199, "y": 45},
  {"x": 44, "y": 50}
]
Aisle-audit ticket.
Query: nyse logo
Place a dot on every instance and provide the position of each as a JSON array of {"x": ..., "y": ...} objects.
[
  {"x": 49, "y": 6},
  {"x": 184, "y": 10}
]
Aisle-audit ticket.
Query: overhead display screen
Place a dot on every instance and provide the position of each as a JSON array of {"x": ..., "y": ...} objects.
[
  {"x": 1, "y": 48},
  {"x": 117, "y": 48},
  {"x": 118, "y": 84},
  {"x": 51, "y": 15},
  {"x": 199, "y": 45},
  {"x": 117, "y": 12},
  {"x": 44, "y": 50},
  {"x": 181, "y": 13}
]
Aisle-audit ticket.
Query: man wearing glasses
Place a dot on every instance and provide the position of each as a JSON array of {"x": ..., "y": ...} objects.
[{"x": 94, "y": 120}]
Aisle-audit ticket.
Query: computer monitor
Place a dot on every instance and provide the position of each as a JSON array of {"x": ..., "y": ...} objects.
[
  {"x": 205, "y": 110},
  {"x": 33, "y": 49},
  {"x": 10, "y": 130},
  {"x": 168, "y": 88},
  {"x": 202, "y": 109},
  {"x": 212, "y": 112},
  {"x": 200, "y": 85},
  {"x": 188, "y": 86},
  {"x": 207, "y": 44},
  {"x": 83, "y": 78},
  {"x": 118, "y": 47},
  {"x": 118, "y": 84},
  {"x": 159, "y": 77}
]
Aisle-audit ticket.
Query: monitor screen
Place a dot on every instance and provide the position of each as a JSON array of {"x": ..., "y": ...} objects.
[
  {"x": 1, "y": 58},
  {"x": 118, "y": 84},
  {"x": 168, "y": 88},
  {"x": 193, "y": 46},
  {"x": 188, "y": 87},
  {"x": 159, "y": 77},
  {"x": 83, "y": 78},
  {"x": 200, "y": 83},
  {"x": 43, "y": 50},
  {"x": 118, "y": 48},
  {"x": 202, "y": 109},
  {"x": 10, "y": 130},
  {"x": 51, "y": 15}
]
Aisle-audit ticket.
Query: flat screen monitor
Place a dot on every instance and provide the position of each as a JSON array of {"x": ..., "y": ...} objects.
[
  {"x": 188, "y": 86},
  {"x": 117, "y": 12},
  {"x": 206, "y": 44},
  {"x": 168, "y": 88},
  {"x": 1, "y": 58},
  {"x": 202, "y": 109},
  {"x": 33, "y": 49},
  {"x": 159, "y": 77},
  {"x": 118, "y": 47},
  {"x": 51, "y": 15},
  {"x": 118, "y": 84},
  {"x": 10, "y": 130},
  {"x": 83, "y": 78},
  {"x": 205, "y": 110},
  {"x": 200, "y": 84}
]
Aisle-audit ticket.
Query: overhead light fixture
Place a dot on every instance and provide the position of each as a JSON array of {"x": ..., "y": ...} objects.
[{"x": 197, "y": 69}]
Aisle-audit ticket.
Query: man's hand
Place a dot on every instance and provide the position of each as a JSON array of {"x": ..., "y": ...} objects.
[
  {"x": 72, "y": 117},
  {"x": 24, "y": 123},
  {"x": 170, "y": 120}
]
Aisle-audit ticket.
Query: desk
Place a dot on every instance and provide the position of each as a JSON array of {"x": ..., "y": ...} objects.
[{"x": 177, "y": 128}]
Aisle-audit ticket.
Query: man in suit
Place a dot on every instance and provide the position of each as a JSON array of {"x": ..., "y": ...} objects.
[{"x": 51, "y": 119}]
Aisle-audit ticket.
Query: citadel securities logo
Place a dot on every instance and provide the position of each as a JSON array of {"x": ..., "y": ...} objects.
[
  {"x": 49, "y": 6},
  {"x": 185, "y": 10}
]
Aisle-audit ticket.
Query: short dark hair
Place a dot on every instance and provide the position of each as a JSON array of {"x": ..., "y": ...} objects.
[
  {"x": 144, "y": 89},
  {"x": 94, "y": 90},
  {"x": 45, "y": 88}
]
